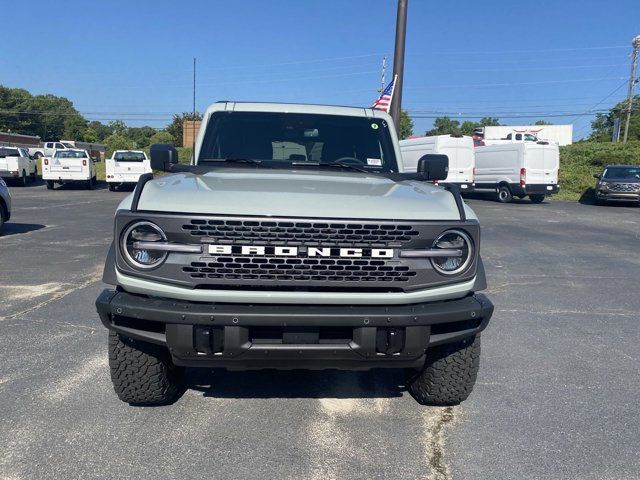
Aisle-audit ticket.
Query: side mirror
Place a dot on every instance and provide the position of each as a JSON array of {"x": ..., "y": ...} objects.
[
  {"x": 433, "y": 167},
  {"x": 163, "y": 156}
]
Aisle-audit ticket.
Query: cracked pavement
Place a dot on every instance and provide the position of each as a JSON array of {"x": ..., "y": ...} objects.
[{"x": 555, "y": 396}]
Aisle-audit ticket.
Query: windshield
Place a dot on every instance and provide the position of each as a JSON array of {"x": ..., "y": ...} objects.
[
  {"x": 626, "y": 173},
  {"x": 9, "y": 152},
  {"x": 280, "y": 140},
  {"x": 70, "y": 154},
  {"x": 129, "y": 156}
]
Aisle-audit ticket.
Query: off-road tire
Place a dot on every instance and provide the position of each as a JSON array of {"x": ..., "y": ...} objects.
[
  {"x": 49, "y": 185},
  {"x": 536, "y": 198},
  {"x": 504, "y": 194},
  {"x": 142, "y": 373},
  {"x": 448, "y": 375}
]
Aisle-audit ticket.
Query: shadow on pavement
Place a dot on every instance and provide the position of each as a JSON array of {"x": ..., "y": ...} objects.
[
  {"x": 11, "y": 228},
  {"x": 380, "y": 383}
]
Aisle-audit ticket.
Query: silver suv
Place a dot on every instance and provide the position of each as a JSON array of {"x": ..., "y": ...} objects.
[
  {"x": 618, "y": 183},
  {"x": 294, "y": 240},
  {"x": 5, "y": 203}
]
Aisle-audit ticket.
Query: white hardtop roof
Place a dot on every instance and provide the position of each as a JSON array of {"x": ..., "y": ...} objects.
[
  {"x": 297, "y": 108},
  {"x": 128, "y": 151}
]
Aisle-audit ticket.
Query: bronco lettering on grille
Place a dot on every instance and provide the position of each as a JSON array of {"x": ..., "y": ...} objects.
[{"x": 300, "y": 252}]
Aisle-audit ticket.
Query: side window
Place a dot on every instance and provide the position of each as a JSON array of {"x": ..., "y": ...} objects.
[
  {"x": 48, "y": 145},
  {"x": 59, "y": 145},
  {"x": 518, "y": 136},
  {"x": 509, "y": 137}
]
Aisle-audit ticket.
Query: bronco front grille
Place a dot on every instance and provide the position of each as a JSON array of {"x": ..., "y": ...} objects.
[
  {"x": 297, "y": 233},
  {"x": 299, "y": 269},
  {"x": 624, "y": 187}
]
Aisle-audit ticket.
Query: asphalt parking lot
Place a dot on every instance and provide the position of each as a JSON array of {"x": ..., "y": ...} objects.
[{"x": 556, "y": 395}]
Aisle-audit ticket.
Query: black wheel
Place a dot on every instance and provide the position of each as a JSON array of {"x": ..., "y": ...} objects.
[
  {"x": 112, "y": 187},
  {"x": 2, "y": 215},
  {"x": 448, "y": 375},
  {"x": 142, "y": 373},
  {"x": 536, "y": 198},
  {"x": 504, "y": 194},
  {"x": 49, "y": 185}
]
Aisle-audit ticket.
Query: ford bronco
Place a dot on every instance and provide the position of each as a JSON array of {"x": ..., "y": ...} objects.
[{"x": 294, "y": 240}]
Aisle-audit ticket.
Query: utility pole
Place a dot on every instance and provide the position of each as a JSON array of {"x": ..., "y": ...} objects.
[
  {"x": 384, "y": 71},
  {"x": 632, "y": 82},
  {"x": 398, "y": 61},
  {"x": 193, "y": 115}
]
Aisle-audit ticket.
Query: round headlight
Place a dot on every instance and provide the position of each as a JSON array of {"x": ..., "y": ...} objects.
[
  {"x": 133, "y": 245},
  {"x": 453, "y": 240}
]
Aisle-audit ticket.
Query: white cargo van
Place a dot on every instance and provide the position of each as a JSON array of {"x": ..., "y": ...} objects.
[
  {"x": 459, "y": 149},
  {"x": 126, "y": 166},
  {"x": 16, "y": 164},
  {"x": 69, "y": 166},
  {"x": 518, "y": 169}
]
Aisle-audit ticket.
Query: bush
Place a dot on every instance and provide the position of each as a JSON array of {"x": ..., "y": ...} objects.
[{"x": 578, "y": 163}]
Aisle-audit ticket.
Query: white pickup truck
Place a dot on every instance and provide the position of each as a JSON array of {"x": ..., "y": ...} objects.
[
  {"x": 69, "y": 166},
  {"x": 17, "y": 165},
  {"x": 47, "y": 149},
  {"x": 126, "y": 166}
]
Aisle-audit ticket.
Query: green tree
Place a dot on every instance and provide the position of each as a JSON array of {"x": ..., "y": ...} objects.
[
  {"x": 175, "y": 127},
  {"x": 141, "y": 135},
  {"x": 74, "y": 127},
  {"x": 118, "y": 127},
  {"x": 42, "y": 115},
  {"x": 116, "y": 142},
  {"x": 542, "y": 122},
  {"x": 468, "y": 126},
  {"x": 444, "y": 126},
  {"x": 406, "y": 125},
  {"x": 602, "y": 126},
  {"x": 90, "y": 135},
  {"x": 489, "y": 122},
  {"x": 162, "y": 137},
  {"x": 102, "y": 130}
]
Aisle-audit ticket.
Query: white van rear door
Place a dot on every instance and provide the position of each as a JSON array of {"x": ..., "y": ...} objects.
[
  {"x": 551, "y": 164},
  {"x": 534, "y": 164},
  {"x": 460, "y": 163}
]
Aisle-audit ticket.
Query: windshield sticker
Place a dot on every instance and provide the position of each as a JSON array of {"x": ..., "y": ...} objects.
[
  {"x": 374, "y": 161},
  {"x": 374, "y": 126}
]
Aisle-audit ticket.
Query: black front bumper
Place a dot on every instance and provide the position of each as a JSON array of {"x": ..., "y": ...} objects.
[{"x": 244, "y": 336}]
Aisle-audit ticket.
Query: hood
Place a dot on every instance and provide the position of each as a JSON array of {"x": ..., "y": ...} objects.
[
  {"x": 294, "y": 193},
  {"x": 621, "y": 180}
]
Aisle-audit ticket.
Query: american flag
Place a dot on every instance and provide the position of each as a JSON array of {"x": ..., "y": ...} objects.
[{"x": 383, "y": 102}]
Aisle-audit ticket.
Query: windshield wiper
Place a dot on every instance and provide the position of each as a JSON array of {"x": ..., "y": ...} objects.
[
  {"x": 232, "y": 160},
  {"x": 330, "y": 165}
]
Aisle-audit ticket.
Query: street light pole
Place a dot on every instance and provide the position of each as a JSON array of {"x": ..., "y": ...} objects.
[
  {"x": 398, "y": 62},
  {"x": 632, "y": 81}
]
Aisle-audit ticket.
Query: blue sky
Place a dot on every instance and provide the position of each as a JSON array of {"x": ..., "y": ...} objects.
[{"x": 133, "y": 60}]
